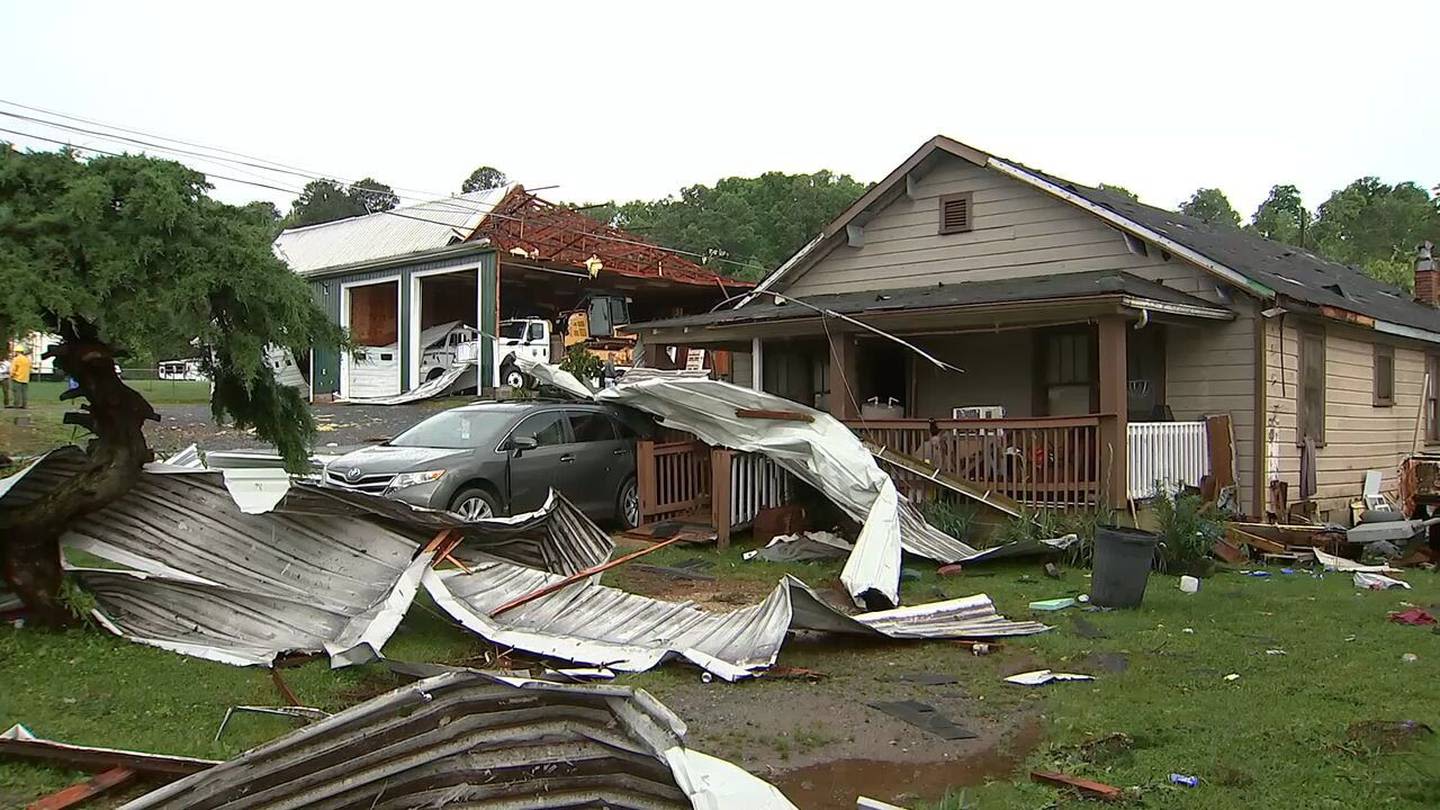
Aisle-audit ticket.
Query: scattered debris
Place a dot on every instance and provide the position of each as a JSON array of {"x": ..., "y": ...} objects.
[
  {"x": 1409, "y": 658},
  {"x": 803, "y": 547},
  {"x": 930, "y": 472},
  {"x": 1189, "y": 584},
  {"x": 82, "y": 792},
  {"x": 1275, "y": 651},
  {"x": 685, "y": 531},
  {"x": 1388, "y": 530},
  {"x": 1086, "y": 787},
  {"x": 1041, "y": 677},
  {"x": 1378, "y": 582},
  {"x": 294, "y": 712},
  {"x": 1232, "y": 554},
  {"x": 924, "y": 716},
  {"x": 1412, "y": 616},
  {"x": 795, "y": 673},
  {"x": 1182, "y": 779},
  {"x": 1052, "y": 570},
  {"x": 867, "y": 803},
  {"x": 556, "y": 585},
  {"x": 1333, "y": 563},
  {"x": 1054, "y": 604},
  {"x": 18, "y": 742},
  {"x": 951, "y": 570},
  {"x": 591, "y": 623},
  {"x": 1234, "y": 676},
  {"x": 471, "y": 738}
]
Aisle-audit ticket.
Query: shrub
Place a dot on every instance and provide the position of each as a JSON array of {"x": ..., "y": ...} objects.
[
  {"x": 950, "y": 517},
  {"x": 1189, "y": 527},
  {"x": 1047, "y": 524},
  {"x": 585, "y": 366}
]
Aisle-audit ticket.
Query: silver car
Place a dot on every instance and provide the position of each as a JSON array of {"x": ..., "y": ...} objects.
[{"x": 501, "y": 458}]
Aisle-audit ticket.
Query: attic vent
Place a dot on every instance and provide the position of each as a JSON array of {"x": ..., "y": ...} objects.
[{"x": 956, "y": 213}]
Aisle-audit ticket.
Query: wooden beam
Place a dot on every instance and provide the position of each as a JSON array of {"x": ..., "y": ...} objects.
[
  {"x": 783, "y": 416},
  {"x": 1087, "y": 787},
  {"x": 720, "y": 466},
  {"x": 844, "y": 375},
  {"x": 1114, "y": 403},
  {"x": 86, "y": 758},
  {"x": 579, "y": 575},
  {"x": 78, "y": 794}
]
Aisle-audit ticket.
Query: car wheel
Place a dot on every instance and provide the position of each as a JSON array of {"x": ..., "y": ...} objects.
[
  {"x": 627, "y": 504},
  {"x": 513, "y": 377},
  {"x": 475, "y": 504}
]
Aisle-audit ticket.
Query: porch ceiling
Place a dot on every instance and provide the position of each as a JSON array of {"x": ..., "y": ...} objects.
[{"x": 1047, "y": 299}]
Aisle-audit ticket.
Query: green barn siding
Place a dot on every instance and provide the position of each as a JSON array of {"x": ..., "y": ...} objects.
[{"x": 327, "y": 295}]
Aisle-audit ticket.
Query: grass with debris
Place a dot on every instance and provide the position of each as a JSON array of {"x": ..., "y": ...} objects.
[
  {"x": 1291, "y": 731},
  {"x": 39, "y": 427}
]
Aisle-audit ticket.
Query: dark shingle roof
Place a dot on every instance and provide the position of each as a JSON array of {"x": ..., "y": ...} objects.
[
  {"x": 1056, "y": 287},
  {"x": 1290, "y": 271}
]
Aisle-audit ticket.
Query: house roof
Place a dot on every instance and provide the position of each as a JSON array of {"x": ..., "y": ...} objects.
[
  {"x": 1264, "y": 268},
  {"x": 510, "y": 219},
  {"x": 1059, "y": 287},
  {"x": 403, "y": 231}
]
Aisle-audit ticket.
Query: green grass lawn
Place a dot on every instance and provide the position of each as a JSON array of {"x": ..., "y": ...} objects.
[
  {"x": 45, "y": 429},
  {"x": 1275, "y": 737}
]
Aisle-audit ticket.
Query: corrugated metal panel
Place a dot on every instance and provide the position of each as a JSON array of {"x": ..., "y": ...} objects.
[
  {"x": 593, "y": 624},
  {"x": 471, "y": 739},
  {"x": 404, "y": 231}
]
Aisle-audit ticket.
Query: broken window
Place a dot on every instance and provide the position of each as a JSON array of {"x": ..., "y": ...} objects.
[
  {"x": 1310, "y": 416},
  {"x": 1384, "y": 376}
]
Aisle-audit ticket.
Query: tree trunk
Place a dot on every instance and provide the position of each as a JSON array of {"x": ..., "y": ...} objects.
[{"x": 116, "y": 415}]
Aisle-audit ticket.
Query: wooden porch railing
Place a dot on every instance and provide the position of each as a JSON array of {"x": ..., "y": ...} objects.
[
  {"x": 691, "y": 479},
  {"x": 1041, "y": 461}
]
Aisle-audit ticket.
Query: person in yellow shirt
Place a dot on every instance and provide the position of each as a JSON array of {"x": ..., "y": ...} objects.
[{"x": 20, "y": 379}]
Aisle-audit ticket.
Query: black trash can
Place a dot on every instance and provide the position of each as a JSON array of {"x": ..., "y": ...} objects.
[{"x": 1123, "y": 558}]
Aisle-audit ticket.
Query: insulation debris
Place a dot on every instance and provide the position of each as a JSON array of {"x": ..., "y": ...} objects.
[
  {"x": 590, "y": 623},
  {"x": 474, "y": 739}
]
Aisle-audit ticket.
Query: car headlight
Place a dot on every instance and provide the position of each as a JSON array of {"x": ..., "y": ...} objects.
[{"x": 411, "y": 479}]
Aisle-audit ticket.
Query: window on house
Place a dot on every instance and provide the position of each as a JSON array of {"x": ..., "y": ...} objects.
[
  {"x": 1384, "y": 376},
  {"x": 1310, "y": 419},
  {"x": 1068, "y": 373},
  {"x": 1432, "y": 399},
  {"x": 956, "y": 213}
]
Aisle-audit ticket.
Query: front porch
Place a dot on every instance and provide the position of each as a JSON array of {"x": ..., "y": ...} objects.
[{"x": 1055, "y": 403}]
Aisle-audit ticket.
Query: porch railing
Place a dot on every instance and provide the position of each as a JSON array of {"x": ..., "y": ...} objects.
[
  {"x": 1042, "y": 461},
  {"x": 1173, "y": 453},
  {"x": 679, "y": 479},
  {"x": 673, "y": 478}
]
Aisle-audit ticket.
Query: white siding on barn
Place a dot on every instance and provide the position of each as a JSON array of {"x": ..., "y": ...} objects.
[
  {"x": 375, "y": 372},
  {"x": 1358, "y": 435}
]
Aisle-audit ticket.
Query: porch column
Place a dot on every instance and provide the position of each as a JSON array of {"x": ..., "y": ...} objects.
[
  {"x": 757, "y": 364},
  {"x": 844, "y": 375},
  {"x": 1114, "y": 454}
]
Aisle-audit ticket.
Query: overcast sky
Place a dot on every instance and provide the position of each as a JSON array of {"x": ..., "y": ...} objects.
[{"x": 616, "y": 100}]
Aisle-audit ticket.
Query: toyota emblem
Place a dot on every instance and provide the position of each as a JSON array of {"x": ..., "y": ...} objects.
[{"x": 352, "y": 475}]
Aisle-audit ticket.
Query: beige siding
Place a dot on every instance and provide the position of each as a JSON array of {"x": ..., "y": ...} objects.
[
  {"x": 1018, "y": 232},
  {"x": 1358, "y": 435},
  {"x": 1210, "y": 370}
]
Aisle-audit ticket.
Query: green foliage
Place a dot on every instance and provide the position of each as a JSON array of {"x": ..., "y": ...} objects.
[
  {"x": 1282, "y": 216},
  {"x": 955, "y": 519},
  {"x": 1376, "y": 227},
  {"x": 1121, "y": 190},
  {"x": 1212, "y": 206},
  {"x": 328, "y": 200},
  {"x": 1047, "y": 524},
  {"x": 1189, "y": 526},
  {"x": 485, "y": 177},
  {"x": 582, "y": 363},
  {"x": 758, "y": 222},
  {"x": 135, "y": 249},
  {"x": 80, "y": 601}
]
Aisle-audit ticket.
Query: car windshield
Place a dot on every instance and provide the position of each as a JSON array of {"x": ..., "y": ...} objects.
[
  {"x": 512, "y": 330},
  {"x": 455, "y": 430}
]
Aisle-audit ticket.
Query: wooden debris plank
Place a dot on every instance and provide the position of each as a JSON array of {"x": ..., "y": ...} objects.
[
  {"x": 783, "y": 416},
  {"x": 1087, "y": 787},
  {"x": 82, "y": 792},
  {"x": 933, "y": 474},
  {"x": 1241, "y": 537},
  {"x": 1229, "y": 553},
  {"x": 88, "y": 758}
]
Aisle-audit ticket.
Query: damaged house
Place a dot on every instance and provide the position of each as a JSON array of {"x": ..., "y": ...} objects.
[
  {"x": 471, "y": 281},
  {"x": 1105, "y": 344}
]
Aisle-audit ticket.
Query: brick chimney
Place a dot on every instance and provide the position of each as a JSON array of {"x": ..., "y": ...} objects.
[{"x": 1427, "y": 277}]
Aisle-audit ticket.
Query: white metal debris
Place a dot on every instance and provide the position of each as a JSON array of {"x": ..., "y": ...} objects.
[
  {"x": 1040, "y": 677},
  {"x": 476, "y": 739},
  {"x": 593, "y": 624},
  {"x": 1334, "y": 563},
  {"x": 1378, "y": 582}
]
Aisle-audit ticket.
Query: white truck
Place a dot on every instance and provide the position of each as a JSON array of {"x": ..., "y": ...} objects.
[{"x": 521, "y": 337}]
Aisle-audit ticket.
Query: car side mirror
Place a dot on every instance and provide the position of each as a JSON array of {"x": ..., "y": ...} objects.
[{"x": 523, "y": 443}]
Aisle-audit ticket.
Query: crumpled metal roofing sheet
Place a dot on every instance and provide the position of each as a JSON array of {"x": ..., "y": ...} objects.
[
  {"x": 240, "y": 566},
  {"x": 406, "y": 230},
  {"x": 594, "y": 624},
  {"x": 425, "y": 390},
  {"x": 475, "y": 740}
]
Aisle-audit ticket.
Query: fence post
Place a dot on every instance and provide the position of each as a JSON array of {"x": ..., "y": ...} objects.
[
  {"x": 720, "y": 459},
  {"x": 645, "y": 477}
]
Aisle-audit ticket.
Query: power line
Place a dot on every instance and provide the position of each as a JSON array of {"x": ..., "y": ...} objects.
[{"x": 454, "y": 203}]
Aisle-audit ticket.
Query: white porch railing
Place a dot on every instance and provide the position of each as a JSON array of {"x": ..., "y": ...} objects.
[
  {"x": 756, "y": 483},
  {"x": 1172, "y": 453}
]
